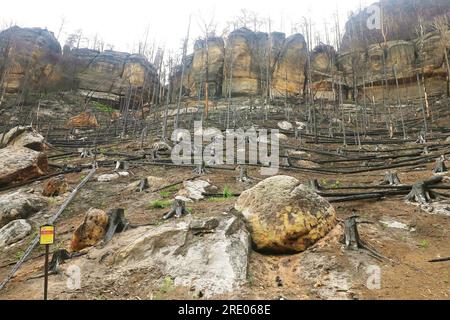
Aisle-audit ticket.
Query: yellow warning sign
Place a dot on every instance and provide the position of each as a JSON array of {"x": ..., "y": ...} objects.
[{"x": 47, "y": 235}]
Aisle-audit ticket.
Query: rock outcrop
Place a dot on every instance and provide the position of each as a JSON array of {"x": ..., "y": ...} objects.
[
  {"x": 289, "y": 76},
  {"x": 18, "y": 164},
  {"x": 401, "y": 19},
  {"x": 213, "y": 51},
  {"x": 242, "y": 62},
  {"x": 19, "y": 205},
  {"x": 109, "y": 74},
  {"x": 207, "y": 254},
  {"x": 29, "y": 57},
  {"x": 294, "y": 218}
]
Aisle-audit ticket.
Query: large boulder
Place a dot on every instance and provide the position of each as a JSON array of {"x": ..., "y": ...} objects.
[
  {"x": 208, "y": 254},
  {"x": 19, "y": 205},
  {"x": 31, "y": 56},
  {"x": 18, "y": 164},
  {"x": 13, "y": 232},
  {"x": 285, "y": 216},
  {"x": 23, "y": 137},
  {"x": 91, "y": 231}
]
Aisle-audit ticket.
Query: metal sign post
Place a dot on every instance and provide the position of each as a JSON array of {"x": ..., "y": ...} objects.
[{"x": 46, "y": 237}]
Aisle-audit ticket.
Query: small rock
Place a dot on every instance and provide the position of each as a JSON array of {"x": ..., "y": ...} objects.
[
  {"x": 14, "y": 231},
  {"x": 83, "y": 120},
  {"x": 284, "y": 125},
  {"x": 55, "y": 186},
  {"x": 195, "y": 189}
]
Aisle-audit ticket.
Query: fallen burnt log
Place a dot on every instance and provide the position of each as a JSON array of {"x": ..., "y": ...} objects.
[
  {"x": 420, "y": 192},
  {"x": 440, "y": 260}
]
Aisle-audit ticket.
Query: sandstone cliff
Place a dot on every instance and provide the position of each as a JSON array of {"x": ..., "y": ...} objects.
[
  {"x": 29, "y": 56},
  {"x": 109, "y": 74},
  {"x": 31, "y": 59},
  {"x": 401, "y": 20}
]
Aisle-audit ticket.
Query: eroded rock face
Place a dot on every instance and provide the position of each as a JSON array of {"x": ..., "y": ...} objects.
[
  {"x": 109, "y": 74},
  {"x": 293, "y": 219},
  {"x": 30, "y": 55},
  {"x": 14, "y": 231},
  {"x": 208, "y": 254},
  {"x": 242, "y": 60},
  {"x": 289, "y": 75},
  {"x": 19, "y": 205},
  {"x": 23, "y": 137},
  {"x": 214, "y": 53},
  {"x": 18, "y": 164},
  {"x": 91, "y": 231}
]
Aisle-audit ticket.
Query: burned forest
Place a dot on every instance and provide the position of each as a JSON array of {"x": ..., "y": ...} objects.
[{"x": 247, "y": 163}]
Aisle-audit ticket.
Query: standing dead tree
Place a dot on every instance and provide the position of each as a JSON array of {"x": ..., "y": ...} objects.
[
  {"x": 441, "y": 26},
  {"x": 183, "y": 68}
]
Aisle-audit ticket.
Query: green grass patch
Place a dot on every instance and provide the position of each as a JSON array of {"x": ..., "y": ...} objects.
[
  {"x": 103, "y": 107},
  {"x": 424, "y": 244},
  {"x": 166, "y": 287},
  {"x": 160, "y": 204},
  {"x": 227, "y": 193}
]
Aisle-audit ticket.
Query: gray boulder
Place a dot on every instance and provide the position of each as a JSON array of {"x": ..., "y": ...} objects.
[
  {"x": 208, "y": 254},
  {"x": 13, "y": 232},
  {"x": 19, "y": 205}
]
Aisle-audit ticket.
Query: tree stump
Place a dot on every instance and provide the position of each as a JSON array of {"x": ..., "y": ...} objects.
[
  {"x": 177, "y": 210},
  {"x": 314, "y": 184},
  {"x": 421, "y": 193},
  {"x": 200, "y": 169},
  {"x": 243, "y": 177},
  {"x": 143, "y": 185},
  {"x": 391, "y": 178},
  {"x": 59, "y": 256},
  {"x": 122, "y": 165},
  {"x": 86, "y": 153},
  {"x": 440, "y": 166},
  {"x": 352, "y": 239},
  {"x": 116, "y": 224},
  {"x": 422, "y": 138}
]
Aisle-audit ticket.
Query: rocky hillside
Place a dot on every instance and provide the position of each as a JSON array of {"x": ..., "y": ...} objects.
[
  {"x": 368, "y": 67},
  {"x": 254, "y": 63},
  {"x": 32, "y": 58},
  {"x": 401, "y": 21}
]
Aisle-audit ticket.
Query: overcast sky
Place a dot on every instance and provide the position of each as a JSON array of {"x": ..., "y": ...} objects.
[{"x": 123, "y": 22}]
